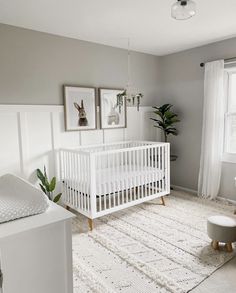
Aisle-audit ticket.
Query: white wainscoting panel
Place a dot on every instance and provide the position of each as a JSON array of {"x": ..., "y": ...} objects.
[
  {"x": 10, "y": 159},
  {"x": 113, "y": 135},
  {"x": 32, "y": 134},
  {"x": 91, "y": 137}
]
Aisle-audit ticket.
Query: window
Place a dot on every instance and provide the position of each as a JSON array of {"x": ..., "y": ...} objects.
[{"x": 230, "y": 117}]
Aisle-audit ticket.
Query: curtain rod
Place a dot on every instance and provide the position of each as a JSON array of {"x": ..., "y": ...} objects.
[{"x": 233, "y": 59}]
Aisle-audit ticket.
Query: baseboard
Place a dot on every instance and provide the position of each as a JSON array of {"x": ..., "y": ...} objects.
[
  {"x": 180, "y": 188},
  {"x": 226, "y": 199},
  {"x": 194, "y": 192}
]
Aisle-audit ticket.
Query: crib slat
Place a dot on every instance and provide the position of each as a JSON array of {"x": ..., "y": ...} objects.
[
  {"x": 151, "y": 167},
  {"x": 168, "y": 168},
  {"x": 77, "y": 181},
  {"x": 69, "y": 175},
  {"x": 123, "y": 178},
  {"x": 126, "y": 179},
  {"x": 83, "y": 181},
  {"x": 113, "y": 181},
  {"x": 159, "y": 168},
  {"x": 145, "y": 172},
  {"x": 142, "y": 170},
  {"x": 148, "y": 171},
  {"x": 99, "y": 169},
  {"x": 163, "y": 170},
  {"x": 118, "y": 181},
  {"x": 73, "y": 178},
  {"x": 134, "y": 176},
  {"x": 92, "y": 175},
  {"x": 80, "y": 182}
]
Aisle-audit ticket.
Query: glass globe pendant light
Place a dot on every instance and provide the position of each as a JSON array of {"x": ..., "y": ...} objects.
[{"x": 183, "y": 9}]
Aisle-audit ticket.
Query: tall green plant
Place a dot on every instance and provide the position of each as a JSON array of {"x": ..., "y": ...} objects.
[
  {"x": 48, "y": 186},
  {"x": 165, "y": 120}
]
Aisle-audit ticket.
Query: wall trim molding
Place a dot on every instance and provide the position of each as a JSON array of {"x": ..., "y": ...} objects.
[
  {"x": 44, "y": 108},
  {"x": 31, "y": 108},
  {"x": 181, "y": 188},
  {"x": 194, "y": 192},
  {"x": 32, "y": 134}
]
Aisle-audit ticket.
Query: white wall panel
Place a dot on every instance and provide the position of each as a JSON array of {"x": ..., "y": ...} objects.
[
  {"x": 39, "y": 138},
  {"x": 91, "y": 137},
  {"x": 31, "y": 136},
  {"x": 133, "y": 130},
  {"x": 9, "y": 144},
  {"x": 65, "y": 138},
  {"x": 113, "y": 135}
]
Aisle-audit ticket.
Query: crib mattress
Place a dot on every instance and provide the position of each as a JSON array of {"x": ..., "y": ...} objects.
[{"x": 109, "y": 180}]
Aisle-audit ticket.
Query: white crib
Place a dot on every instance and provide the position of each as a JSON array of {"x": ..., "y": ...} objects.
[{"x": 101, "y": 179}]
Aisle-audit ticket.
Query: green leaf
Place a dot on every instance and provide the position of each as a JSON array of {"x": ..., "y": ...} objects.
[
  {"x": 156, "y": 120},
  {"x": 170, "y": 114},
  {"x": 165, "y": 108},
  {"x": 175, "y": 120},
  {"x": 159, "y": 127},
  {"x": 57, "y": 197},
  {"x": 40, "y": 176},
  {"x": 172, "y": 131},
  {"x": 46, "y": 182},
  {"x": 42, "y": 188},
  {"x": 52, "y": 184},
  {"x": 158, "y": 113}
]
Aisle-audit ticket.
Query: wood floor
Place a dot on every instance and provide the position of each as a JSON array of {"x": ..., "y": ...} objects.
[{"x": 222, "y": 281}]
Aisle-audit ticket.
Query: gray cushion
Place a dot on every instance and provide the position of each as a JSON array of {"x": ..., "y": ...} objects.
[
  {"x": 19, "y": 198},
  {"x": 222, "y": 228}
]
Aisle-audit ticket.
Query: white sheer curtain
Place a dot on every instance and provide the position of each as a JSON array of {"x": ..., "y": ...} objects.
[{"x": 212, "y": 130}]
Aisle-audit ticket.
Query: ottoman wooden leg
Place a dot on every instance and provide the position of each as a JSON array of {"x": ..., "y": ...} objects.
[
  {"x": 215, "y": 244},
  {"x": 229, "y": 247}
]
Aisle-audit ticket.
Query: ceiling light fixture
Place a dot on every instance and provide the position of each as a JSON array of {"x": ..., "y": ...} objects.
[
  {"x": 129, "y": 94},
  {"x": 183, "y": 9}
]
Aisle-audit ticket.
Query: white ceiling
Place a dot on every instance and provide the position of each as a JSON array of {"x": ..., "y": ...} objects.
[{"x": 146, "y": 22}]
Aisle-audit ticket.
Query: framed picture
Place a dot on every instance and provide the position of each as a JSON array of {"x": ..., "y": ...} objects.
[
  {"x": 111, "y": 115},
  {"x": 80, "y": 108}
]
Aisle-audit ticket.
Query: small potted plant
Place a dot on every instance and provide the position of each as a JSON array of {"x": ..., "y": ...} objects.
[
  {"x": 48, "y": 186},
  {"x": 165, "y": 121}
]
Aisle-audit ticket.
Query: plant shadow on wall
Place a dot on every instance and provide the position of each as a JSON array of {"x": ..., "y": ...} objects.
[
  {"x": 48, "y": 186},
  {"x": 166, "y": 120}
]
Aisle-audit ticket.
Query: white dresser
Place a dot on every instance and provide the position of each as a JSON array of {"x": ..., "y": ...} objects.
[{"x": 36, "y": 253}]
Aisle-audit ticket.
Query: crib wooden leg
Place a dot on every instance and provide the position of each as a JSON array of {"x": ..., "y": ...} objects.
[
  {"x": 163, "y": 200},
  {"x": 90, "y": 223},
  {"x": 68, "y": 208}
]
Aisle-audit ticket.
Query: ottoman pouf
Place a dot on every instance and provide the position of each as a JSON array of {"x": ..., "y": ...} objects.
[{"x": 222, "y": 229}]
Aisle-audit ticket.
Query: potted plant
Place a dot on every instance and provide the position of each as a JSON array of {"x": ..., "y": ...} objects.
[
  {"x": 165, "y": 121},
  {"x": 48, "y": 186}
]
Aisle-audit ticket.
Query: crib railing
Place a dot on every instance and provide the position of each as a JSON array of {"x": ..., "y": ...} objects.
[{"x": 106, "y": 178}]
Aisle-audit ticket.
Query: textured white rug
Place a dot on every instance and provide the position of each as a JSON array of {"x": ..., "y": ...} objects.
[{"x": 148, "y": 248}]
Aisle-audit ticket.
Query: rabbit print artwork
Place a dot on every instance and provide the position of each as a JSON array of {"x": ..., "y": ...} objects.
[
  {"x": 113, "y": 116},
  {"x": 83, "y": 121},
  {"x": 80, "y": 108}
]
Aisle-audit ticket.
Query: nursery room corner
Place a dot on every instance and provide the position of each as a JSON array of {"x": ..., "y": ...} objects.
[{"x": 118, "y": 143}]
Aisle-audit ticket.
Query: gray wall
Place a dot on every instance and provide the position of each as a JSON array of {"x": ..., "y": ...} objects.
[
  {"x": 182, "y": 85},
  {"x": 34, "y": 66}
]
